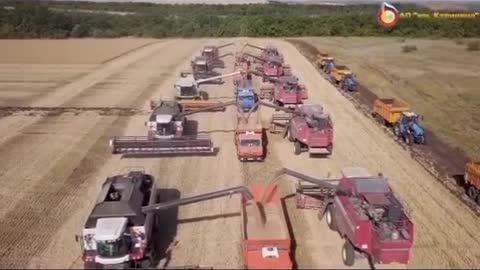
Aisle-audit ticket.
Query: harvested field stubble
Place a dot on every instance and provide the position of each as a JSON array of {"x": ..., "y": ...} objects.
[{"x": 54, "y": 166}]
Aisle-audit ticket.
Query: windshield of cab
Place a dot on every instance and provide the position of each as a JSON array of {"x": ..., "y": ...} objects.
[
  {"x": 245, "y": 98},
  {"x": 165, "y": 129},
  {"x": 112, "y": 248},
  {"x": 250, "y": 143},
  {"x": 201, "y": 67},
  {"x": 371, "y": 186},
  {"x": 187, "y": 91}
]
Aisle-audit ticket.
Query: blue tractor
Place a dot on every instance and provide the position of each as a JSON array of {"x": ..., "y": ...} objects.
[
  {"x": 245, "y": 95},
  {"x": 348, "y": 83},
  {"x": 409, "y": 129}
]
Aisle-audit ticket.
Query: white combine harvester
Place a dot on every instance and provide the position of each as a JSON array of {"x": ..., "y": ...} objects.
[{"x": 118, "y": 233}]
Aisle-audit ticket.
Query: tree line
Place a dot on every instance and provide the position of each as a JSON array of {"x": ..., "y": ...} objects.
[{"x": 23, "y": 19}]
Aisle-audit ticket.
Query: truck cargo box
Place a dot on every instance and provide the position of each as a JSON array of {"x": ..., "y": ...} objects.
[
  {"x": 389, "y": 109},
  {"x": 266, "y": 245}
]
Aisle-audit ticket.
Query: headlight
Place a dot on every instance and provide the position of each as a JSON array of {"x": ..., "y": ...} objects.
[{"x": 395, "y": 235}]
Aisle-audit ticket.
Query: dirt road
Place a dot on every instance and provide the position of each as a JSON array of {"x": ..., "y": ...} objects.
[{"x": 55, "y": 167}]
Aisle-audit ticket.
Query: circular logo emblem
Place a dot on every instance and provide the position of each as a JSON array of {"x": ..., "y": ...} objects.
[{"x": 388, "y": 15}]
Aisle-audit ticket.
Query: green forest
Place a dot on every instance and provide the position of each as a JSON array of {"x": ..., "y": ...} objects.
[{"x": 22, "y": 19}]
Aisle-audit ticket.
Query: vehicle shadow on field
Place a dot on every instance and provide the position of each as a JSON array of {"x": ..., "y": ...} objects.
[
  {"x": 165, "y": 229},
  {"x": 293, "y": 246}
]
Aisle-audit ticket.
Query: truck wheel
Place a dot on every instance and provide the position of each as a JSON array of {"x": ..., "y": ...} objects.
[
  {"x": 478, "y": 200},
  {"x": 348, "y": 253},
  {"x": 472, "y": 192},
  {"x": 422, "y": 140},
  {"x": 297, "y": 148},
  {"x": 330, "y": 218},
  {"x": 290, "y": 136}
]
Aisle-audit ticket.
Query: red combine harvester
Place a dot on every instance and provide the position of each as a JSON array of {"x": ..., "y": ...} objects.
[
  {"x": 285, "y": 91},
  {"x": 308, "y": 127},
  {"x": 119, "y": 231},
  {"x": 212, "y": 53},
  {"x": 166, "y": 133},
  {"x": 272, "y": 67},
  {"x": 267, "y": 51},
  {"x": 363, "y": 209}
]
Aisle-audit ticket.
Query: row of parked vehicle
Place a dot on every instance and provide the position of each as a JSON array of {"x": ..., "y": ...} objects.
[{"x": 397, "y": 115}]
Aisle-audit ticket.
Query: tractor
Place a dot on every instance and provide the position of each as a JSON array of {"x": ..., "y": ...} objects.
[{"x": 409, "y": 129}]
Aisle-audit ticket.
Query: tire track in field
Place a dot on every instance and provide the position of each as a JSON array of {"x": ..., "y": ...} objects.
[
  {"x": 31, "y": 224},
  {"x": 10, "y": 127}
]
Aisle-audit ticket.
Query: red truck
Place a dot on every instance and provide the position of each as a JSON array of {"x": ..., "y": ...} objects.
[
  {"x": 250, "y": 138},
  {"x": 266, "y": 240},
  {"x": 365, "y": 212}
]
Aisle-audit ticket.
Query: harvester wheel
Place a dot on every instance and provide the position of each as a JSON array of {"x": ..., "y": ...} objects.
[
  {"x": 203, "y": 95},
  {"x": 297, "y": 148},
  {"x": 348, "y": 253},
  {"x": 472, "y": 192},
  {"x": 290, "y": 136},
  {"x": 330, "y": 218}
]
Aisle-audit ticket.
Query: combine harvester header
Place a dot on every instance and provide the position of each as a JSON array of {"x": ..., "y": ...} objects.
[{"x": 166, "y": 134}]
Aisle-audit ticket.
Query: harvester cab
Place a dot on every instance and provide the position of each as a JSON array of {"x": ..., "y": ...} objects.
[
  {"x": 409, "y": 128},
  {"x": 187, "y": 88},
  {"x": 383, "y": 232}
]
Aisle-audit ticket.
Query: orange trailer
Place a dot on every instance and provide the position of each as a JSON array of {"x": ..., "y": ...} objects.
[{"x": 266, "y": 239}]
